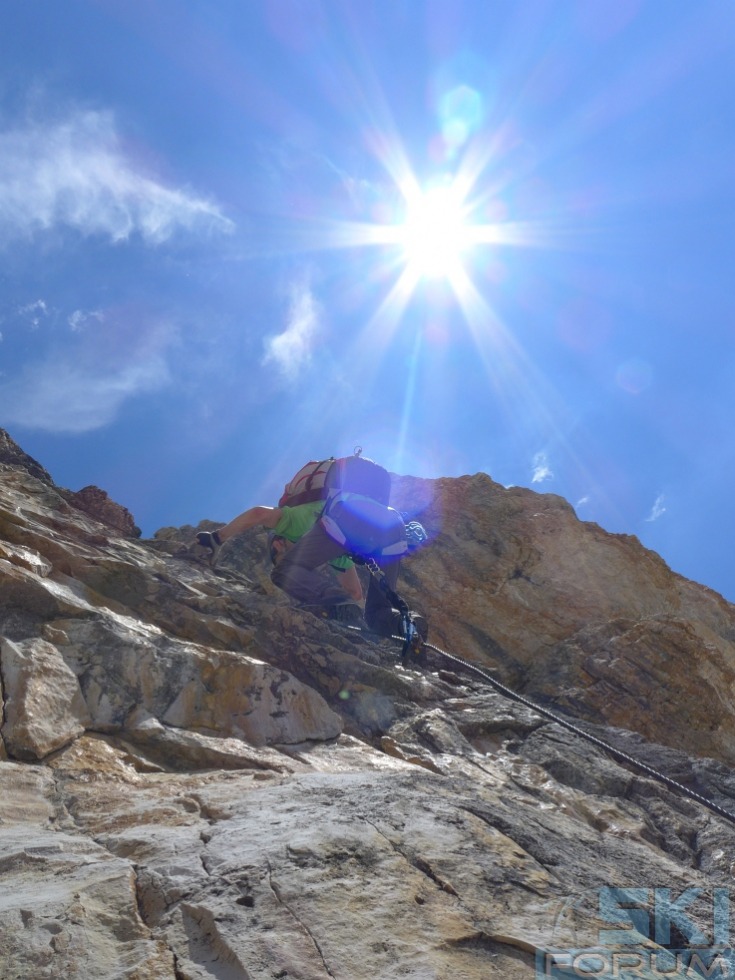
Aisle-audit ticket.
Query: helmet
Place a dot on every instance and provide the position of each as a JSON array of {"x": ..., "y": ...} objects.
[{"x": 415, "y": 535}]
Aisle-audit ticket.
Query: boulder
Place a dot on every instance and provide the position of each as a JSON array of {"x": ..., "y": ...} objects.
[{"x": 44, "y": 707}]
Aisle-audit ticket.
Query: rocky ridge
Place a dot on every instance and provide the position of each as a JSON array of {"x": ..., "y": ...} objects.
[{"x": 201, "y": 781}]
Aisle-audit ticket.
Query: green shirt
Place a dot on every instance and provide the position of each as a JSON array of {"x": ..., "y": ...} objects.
[{"x": 294, "y": 522}]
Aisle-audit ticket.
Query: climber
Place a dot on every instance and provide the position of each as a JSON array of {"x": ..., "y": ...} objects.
[
  {"x": 287, "y": 525},
  {"x": 355, "y": 520}
]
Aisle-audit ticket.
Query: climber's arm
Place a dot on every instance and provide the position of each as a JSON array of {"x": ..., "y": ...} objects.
[{"x": 254, "y": 517}]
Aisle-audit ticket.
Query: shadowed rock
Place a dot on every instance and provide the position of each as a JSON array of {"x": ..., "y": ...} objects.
[
  {"x": 12, "y": 455},
  {"x": 97, "y": 504}
]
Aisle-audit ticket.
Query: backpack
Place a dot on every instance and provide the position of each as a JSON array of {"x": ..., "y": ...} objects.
[
  {"x": 308, "y": 484},
  {"x": 357, "y": 474},
  {"x": 322, "y": 479}
]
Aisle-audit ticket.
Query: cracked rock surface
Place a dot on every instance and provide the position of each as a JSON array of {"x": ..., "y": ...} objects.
[{"x": 198, "y": 781}]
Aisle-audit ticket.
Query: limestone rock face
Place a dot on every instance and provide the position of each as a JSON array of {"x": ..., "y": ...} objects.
[
  {"x": 199, "y": 780},
  {"x": 566, "y": 611}
]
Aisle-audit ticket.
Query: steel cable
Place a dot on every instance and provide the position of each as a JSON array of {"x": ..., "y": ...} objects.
[{"x": 576, "y": 730}]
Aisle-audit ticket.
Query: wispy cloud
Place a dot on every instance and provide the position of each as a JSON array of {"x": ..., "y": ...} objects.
[
  {"x": 81, "y": 319},
  {"x": 541, "y": 468},
  {"x": 291, "y": 350},
  {"x": 64, "y": 396},
  {"x": 76, "y": 173},
  {"x": 34, "y": 312},
  {"x": 80, "y": 379},
  {"x": 658, "y": 508}
]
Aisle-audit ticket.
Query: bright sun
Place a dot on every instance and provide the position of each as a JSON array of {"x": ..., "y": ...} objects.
[{"x": 434, "y": 234}]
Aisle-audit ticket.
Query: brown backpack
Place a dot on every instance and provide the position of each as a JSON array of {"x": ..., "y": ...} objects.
[{"x": 322, "y": 479}]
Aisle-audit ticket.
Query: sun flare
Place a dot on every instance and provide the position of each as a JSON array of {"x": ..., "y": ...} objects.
[{"x": 434, "y": 234}]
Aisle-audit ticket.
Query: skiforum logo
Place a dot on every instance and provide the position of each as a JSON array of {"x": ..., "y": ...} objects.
[{"x": 653, "y": 934}]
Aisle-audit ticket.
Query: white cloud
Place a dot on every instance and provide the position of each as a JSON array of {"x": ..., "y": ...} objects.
[
  {"x": 65, "y": 396},
  {"x": 80, "y": 319},
  {"x": 541, "y": 468},
  {"x": 291, "y": 349},
  {"x": 76, "y": 174},
  {"x": 33, "y": 312},
  {"x": 658, "y": 508}
]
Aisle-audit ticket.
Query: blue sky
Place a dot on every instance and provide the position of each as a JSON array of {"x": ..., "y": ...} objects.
[{"x": 467, "y": 236}]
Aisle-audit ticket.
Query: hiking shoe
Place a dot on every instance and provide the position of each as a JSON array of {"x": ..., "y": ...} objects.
[
  {"x": 347, "y": 613},
  {"x": 211, "y": 541},
  {"x": 389, "y": 622}
]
